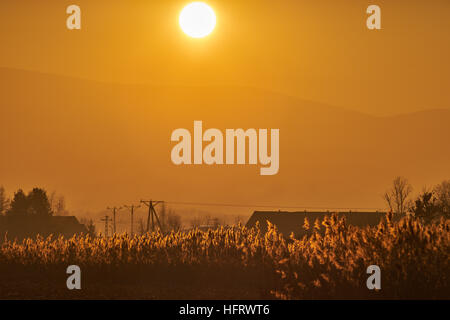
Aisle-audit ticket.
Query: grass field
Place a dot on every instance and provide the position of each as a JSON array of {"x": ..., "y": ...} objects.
[{"x": 237, "y": 263}]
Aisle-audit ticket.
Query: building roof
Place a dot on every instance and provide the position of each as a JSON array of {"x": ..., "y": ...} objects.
[
  {"x": 68, "y": 225},
  {"x": 28, "y": 226},
  {"x": 288, "y": 222}
]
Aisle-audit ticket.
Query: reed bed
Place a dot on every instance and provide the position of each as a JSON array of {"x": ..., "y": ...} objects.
[{"x": 328, "y": 262}]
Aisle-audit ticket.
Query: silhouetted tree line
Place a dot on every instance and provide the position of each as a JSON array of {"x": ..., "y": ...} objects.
[
  {"x": 35, "y": 203},
  {"x": 30, "y": 214},
  {"x": 170, "y": 221},
  {"x": 430, "y": 204},
  {"x": 4, "y": 202}
]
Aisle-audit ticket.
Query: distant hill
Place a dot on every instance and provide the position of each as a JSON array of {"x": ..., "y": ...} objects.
[{"x": 99, "y": 143}]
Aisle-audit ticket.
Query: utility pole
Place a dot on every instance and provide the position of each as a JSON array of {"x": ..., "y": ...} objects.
[
  {"x": 131, "y": 208},
  {"x": 107, "y": 220},
  {"x": 152, "y": 215},
  {"x": 114, "y": 210}
]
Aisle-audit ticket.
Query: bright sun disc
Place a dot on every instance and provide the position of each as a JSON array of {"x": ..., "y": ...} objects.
[{"x": 197, "y": 20}]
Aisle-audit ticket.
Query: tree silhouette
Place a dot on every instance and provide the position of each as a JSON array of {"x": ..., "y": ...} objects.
[
  {"x": 3, "y": 201},
  {"x": 442, "y": 192},
  {"x": 19, "y": 204},
  {"x": 38, "y": 203},
  {"x": 90, "y": 226},
  {"x": 173, "y": 221},
  {"x": 34, "y": 204},
  {"x": 397, "y": 197},
  {"x": 58, "y": 204},
  {"x": 426, "y": 206}
]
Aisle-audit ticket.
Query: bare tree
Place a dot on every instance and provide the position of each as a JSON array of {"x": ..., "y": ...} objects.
[
  {"x": 58, "y": 204},
  {"x": 4, "y": 202},
  {"x": 52, "y": 200},
  {"x": 397, "y": 197},
  {"x": 195, "y": 222},
  {"x": 206, "y": 220},
  {"x": 169, "y": 220},
  {"x": 141, "y": 227},
  {"x": 173, "y": 221},
  {"x": 442, "y": 192},
  {"x": 90, "y": 226}
]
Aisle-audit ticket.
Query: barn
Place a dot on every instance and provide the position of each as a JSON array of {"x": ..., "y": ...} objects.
[
  {"x": 28, "y": 226},
  {"x": 288, "y": 222},
  {"x": 67, "y": 226}
]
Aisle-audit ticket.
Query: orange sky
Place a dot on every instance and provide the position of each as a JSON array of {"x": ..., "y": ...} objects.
[
  {"x": 316, "y": 50},
  {"x": 89, "y": 113}
]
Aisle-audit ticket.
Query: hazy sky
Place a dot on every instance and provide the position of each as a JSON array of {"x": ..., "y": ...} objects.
[
  {"x": 318, "y": 50},
  {"x": 103, "y": 140}
]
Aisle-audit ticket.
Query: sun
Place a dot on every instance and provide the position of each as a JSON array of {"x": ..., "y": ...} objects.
[{"x": 197, "y": 20}]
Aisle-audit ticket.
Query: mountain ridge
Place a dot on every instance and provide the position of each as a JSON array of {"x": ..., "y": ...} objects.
[{"x": 95, "y": 142}]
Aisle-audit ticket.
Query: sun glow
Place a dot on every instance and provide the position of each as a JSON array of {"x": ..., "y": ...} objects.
[{"x": 197, "y": 20}]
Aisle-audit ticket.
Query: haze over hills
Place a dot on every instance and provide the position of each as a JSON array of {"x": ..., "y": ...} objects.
[{"x": 103, "y": 144}]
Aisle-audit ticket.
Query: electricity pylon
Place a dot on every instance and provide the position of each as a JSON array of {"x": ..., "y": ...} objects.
[
  {"x": 152, "y": 215},
  {"x": 131, "y": 208},
  {"x": 107, "y": 220},
  {"x": 114, "y": 210}
]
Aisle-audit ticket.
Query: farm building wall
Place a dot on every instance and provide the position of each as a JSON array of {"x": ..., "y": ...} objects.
[
  {"x": 24, "y": 227},
  {"x": 288, "y": 222}
]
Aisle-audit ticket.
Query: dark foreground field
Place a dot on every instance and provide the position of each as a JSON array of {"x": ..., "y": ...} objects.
[{"x": 237, "y": 263}]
